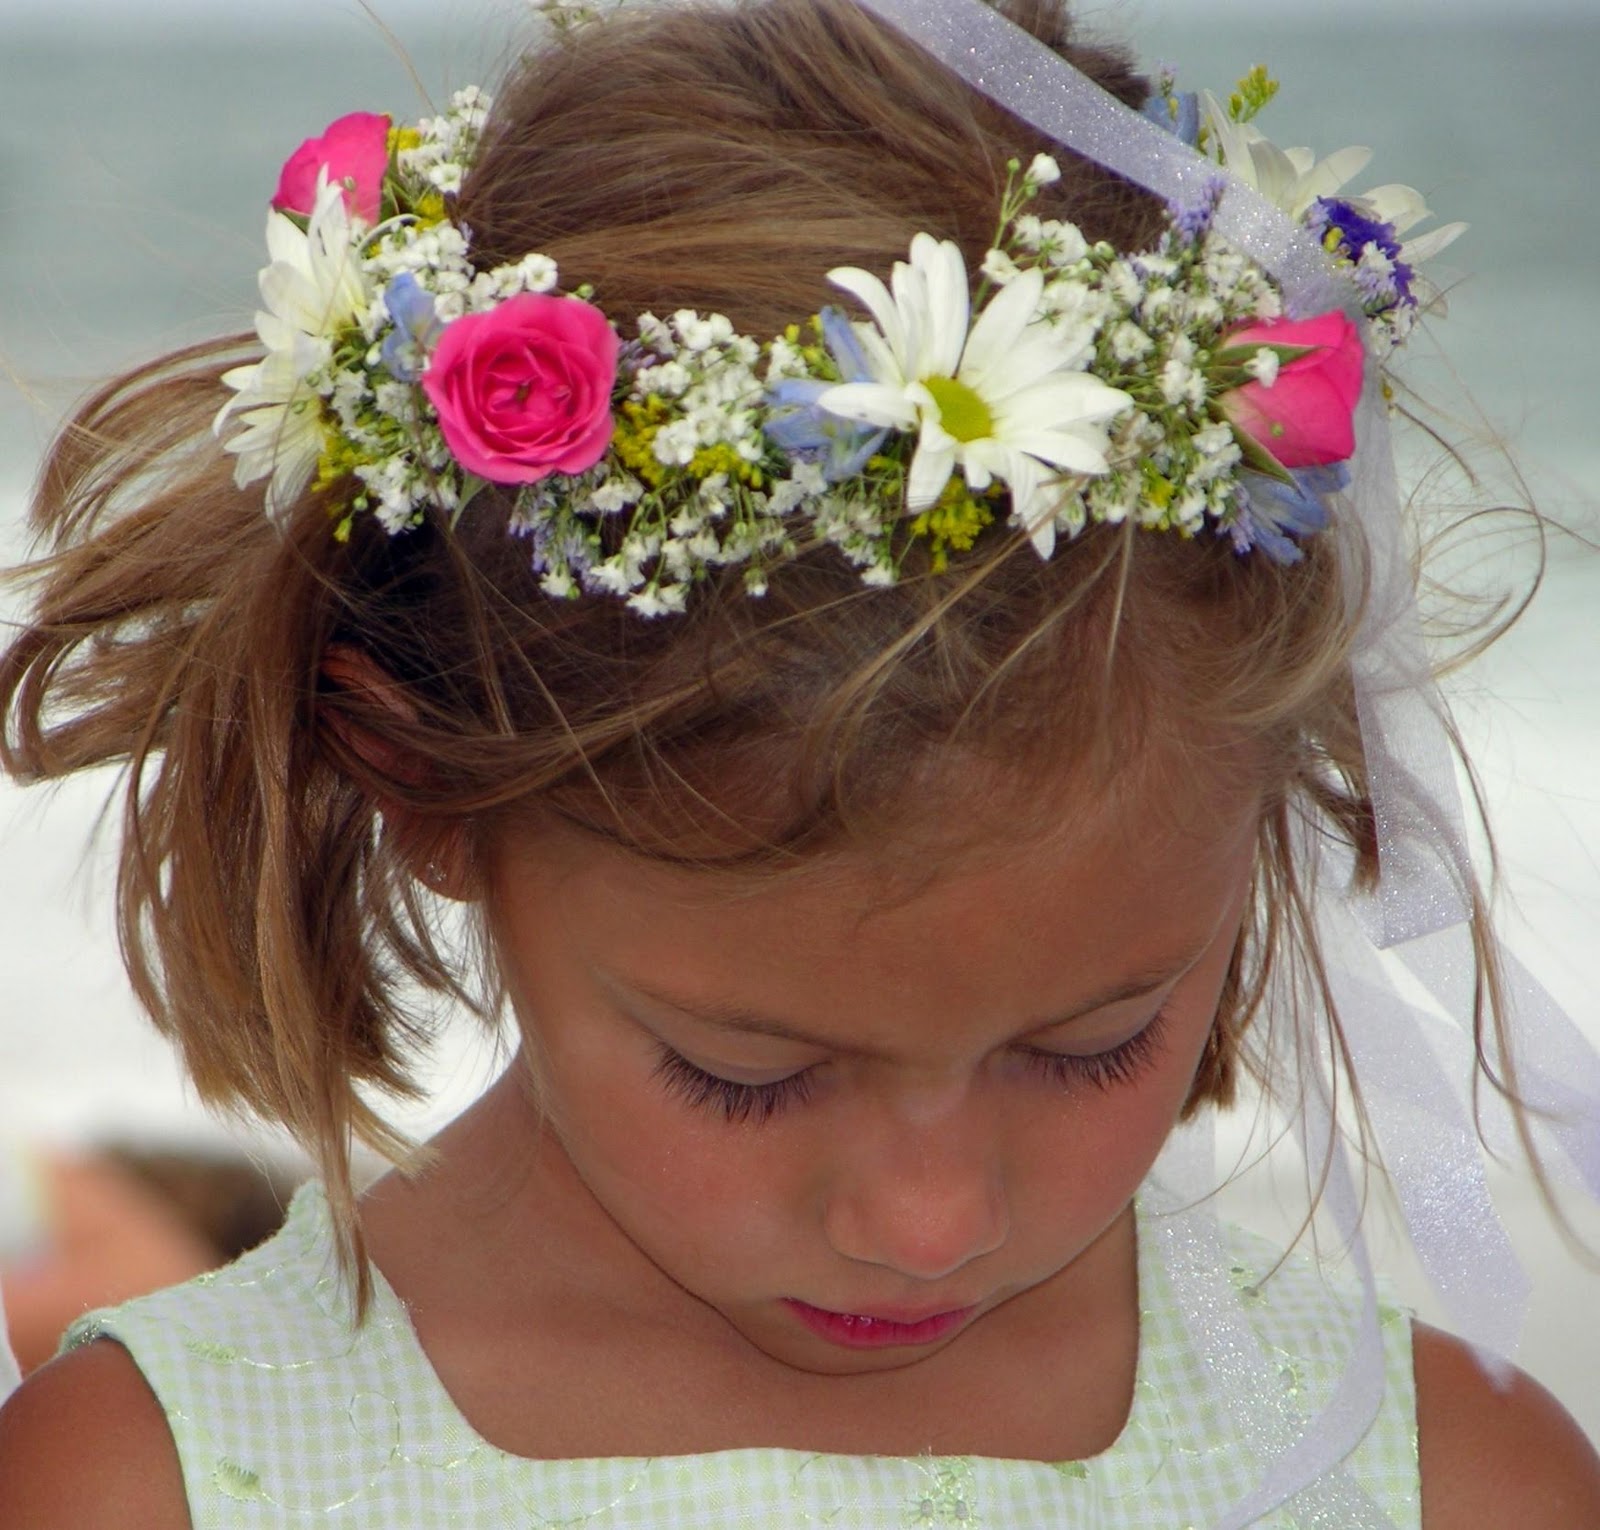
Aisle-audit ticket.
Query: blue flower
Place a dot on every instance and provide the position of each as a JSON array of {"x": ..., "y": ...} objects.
[
  {"x": 1179, "y": 114},
  {"x": 841, "y": 447},
  {"x": 1273, "y": 514},
  {"x": 416, "y": 326}
]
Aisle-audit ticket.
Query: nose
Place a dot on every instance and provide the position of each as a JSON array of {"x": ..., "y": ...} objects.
[{"x": 922, "y": 1199}]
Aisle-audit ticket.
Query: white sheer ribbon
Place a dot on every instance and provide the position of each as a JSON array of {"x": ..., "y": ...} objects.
[
  {"x": 10, "y": 1376},
  {"x": 1420, "y": 915},
  {"x": 1305, "y": 1460}
]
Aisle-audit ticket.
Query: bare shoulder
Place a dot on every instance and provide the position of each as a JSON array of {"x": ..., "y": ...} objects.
[
  {"x": 1497, "y": 1454},
  {"x": 84, "y": 1444}
]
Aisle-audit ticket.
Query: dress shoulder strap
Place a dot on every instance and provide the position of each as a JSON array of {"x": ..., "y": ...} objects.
[{"x": 274, "y": 1398}]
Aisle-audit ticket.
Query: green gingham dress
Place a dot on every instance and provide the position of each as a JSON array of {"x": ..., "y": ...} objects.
[{"x": 285, "y": 1416}]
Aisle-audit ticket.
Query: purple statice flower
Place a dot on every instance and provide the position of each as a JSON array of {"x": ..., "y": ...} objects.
[
  {"x": 1179, "y": 114},
  {"x": 1345, "y": 230},
  {"x": 1273, "y": 514},
  {"x": 1192, "y": 222},
  {"x": 809, "y": 434},
  {"x": 633, "y": 356},
  {"x": 416, "y": 327},
  {"x": 553, "y": 549}
]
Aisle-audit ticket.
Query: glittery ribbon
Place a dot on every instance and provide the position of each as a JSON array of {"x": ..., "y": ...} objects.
[
  {"x": 1419, "y": 916},
  {"x": 1031, "y": 81},
  {"x": 1306, "y": 1461}
]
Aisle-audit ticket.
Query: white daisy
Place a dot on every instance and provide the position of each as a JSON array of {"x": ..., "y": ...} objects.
[
  {"x": 1006, "y": 400},
  {"x": 1292, "y": 179},
  {"x": 313, "y": 288}
]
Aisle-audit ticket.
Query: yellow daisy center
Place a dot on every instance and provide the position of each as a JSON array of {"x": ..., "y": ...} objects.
[{"x": 961, "y": 411}]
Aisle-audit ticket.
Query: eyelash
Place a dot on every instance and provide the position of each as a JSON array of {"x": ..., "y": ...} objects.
[
  {"x": 760, "y": 1102},
  {"x": 1104, "y": 1070},
  {"x": 737, "y": 1102}
]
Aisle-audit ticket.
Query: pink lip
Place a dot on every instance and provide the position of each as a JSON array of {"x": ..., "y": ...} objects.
[{"x": 859, "y": 1331}]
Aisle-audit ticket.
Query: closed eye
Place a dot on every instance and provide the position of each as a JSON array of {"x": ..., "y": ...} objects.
[
  {"x": 1120, "y": 1064},
  {"x": 738, "y": 1102}
]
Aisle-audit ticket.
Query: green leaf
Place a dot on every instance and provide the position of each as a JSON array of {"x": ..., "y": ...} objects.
[
  {"x": 1227, "y": 379},
  {"x": 1259, "y": 459},
  {"x": 471, "y": 487},
  {"x": 1238, "y": 355}
]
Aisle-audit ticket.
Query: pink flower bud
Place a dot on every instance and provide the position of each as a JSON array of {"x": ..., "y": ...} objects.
[
  {"x": 1307, "y": 417},
  {"x": 524, "y": 390},
  {"x": 355, "y": 153}
]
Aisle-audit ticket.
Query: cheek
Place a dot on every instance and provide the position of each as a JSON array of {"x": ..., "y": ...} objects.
[
  {"x": 1122, "y": 1129},
  {"x": 656, "y": 1162}
]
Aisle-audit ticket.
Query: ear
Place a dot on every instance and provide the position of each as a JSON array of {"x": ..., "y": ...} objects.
[
  {"x": 438, "y": 857},
  {"x": 442, "y": 862},
  {"x": 349, "y": 669}
]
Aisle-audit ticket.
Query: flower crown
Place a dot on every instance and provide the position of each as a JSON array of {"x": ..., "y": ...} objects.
[{"x": 1079, "y": 384}]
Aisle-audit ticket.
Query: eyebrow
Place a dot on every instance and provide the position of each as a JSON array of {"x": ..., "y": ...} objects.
[{"x": 736, "y": 1018}]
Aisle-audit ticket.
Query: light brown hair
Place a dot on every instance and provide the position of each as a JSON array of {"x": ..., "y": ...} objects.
[{"x": 721, "y": 158}]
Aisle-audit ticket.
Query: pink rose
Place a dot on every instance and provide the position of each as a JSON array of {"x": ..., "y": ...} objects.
[
  {"x": 355, "y": 153},
  {"x": 524, "y": 390},
  {"x": 1307, "y": 417}
]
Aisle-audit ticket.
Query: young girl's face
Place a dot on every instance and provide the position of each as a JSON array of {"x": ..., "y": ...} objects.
[{"x": 845, "y": 1096}]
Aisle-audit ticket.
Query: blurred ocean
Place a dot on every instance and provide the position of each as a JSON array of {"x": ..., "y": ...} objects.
[
  {"x": 135, "y": 164},
  {"x": 136, "y": 158}
]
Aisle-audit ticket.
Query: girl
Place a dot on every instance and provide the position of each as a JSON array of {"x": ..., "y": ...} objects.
[{"x": 900, "y": 765}]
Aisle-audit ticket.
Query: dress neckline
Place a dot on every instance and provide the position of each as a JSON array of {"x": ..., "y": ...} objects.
[{"x": 389, "y": 1322}]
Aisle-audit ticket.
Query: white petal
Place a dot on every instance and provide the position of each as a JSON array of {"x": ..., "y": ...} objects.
[
  {"x": 240, "y": 379},
  {"x": 1276, "y": 175},
  {"x": 1041, "y": 353},
  {"x": 291, "y": 348},
  {"x": 1402, "y": 206},
  {"x": 931, "y": 468},
  {"x": 291, "y": 474},
  {"x": 870, "y": 404},
  {"x": 1072, "y": 398},
  {"x": 1080, "y": 449},
  {"x": 1031, "y": 507},
  {"x": 984, "y": 461},
  {"x": 934, "y": 435},
  {"x": 948, "y": 309},
  {"x": 974, "y": 468},
  {"x": 883, "y": 366},
  {"x": 291, "y": 295},
  {"x": 1337, "y": 170},
  {"x": 999, "y": 328},
  {"x": 282, "y": 445},
  {"x": 908, "y": 284},
  {"x": 286, "y": 242},
  {"x": 874, "y": 297},
  {"x": 1232, "y": 140},
  {"x": 1426, "y": 246}
]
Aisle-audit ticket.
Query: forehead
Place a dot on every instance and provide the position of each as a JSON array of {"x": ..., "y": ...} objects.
[{"x": 989, "y": 915}]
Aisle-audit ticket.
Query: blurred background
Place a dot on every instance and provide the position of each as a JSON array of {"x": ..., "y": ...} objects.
[{"x": 141, "y": 140}]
